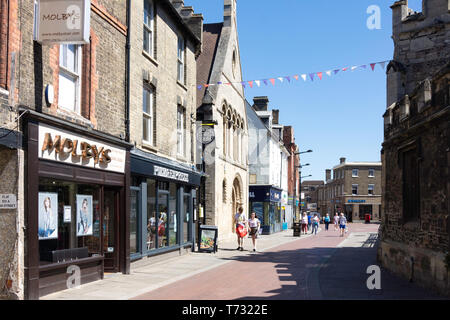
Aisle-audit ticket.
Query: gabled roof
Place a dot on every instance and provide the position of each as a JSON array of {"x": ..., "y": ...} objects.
[{"x": 205, "y": 61}]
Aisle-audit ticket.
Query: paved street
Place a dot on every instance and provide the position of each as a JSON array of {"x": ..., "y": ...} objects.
[{"x": 325, "y": 266}]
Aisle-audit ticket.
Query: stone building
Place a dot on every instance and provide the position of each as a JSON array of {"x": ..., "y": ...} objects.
[
  {"x": 310, "y": 188},
  {"x": 354, "y": 188},
  {"x": 292, "y": 169},
  {"x": 268, "y": 168},
  {"x": 64, "y": 161},
  {"x": 165, "y": 41},
  {"x": 225, "y": 159},
  {"x": 415, "y": 155}
]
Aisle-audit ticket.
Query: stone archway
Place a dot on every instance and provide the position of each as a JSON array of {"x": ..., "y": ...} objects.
[{"x": 236, "y": 200}]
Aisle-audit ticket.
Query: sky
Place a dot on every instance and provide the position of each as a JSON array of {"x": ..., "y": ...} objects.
[{"x": 338, "y": 116}]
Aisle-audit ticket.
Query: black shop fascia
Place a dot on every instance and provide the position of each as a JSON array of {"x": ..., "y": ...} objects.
[{"x": 163, "y": 205}]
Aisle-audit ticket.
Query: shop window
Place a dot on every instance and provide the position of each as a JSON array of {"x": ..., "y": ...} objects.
[
  {"x": 149, "y": 32},
  {"x": 152, "y": 227},
  {"x": 69, "y": 77},
  {"x": 186, "y": 216},
  {"x": 134, "y": 222},
  {"x": 68, "y": 218}
]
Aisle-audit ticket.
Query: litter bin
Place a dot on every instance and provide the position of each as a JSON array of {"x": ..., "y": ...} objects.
[
  {"x": 297, "y": 229},
  {"x": 367, "y": 218}
]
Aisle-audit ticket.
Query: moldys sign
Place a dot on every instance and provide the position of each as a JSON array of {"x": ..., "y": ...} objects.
[{"x": 62, "y": 21}]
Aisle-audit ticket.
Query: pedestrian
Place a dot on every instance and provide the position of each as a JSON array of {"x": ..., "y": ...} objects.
[
  {"x": 241, "y": 222},
  {"x": 342, "y": 223},
  {"x": 305, "y": 223},
  {"x": 326, "y": 220},
  {"x": 254, "y": 225},
  {"x": 336, "y": 221},
  {"x": 315, "y": 224},
  {"x": 309, "y": 221}
]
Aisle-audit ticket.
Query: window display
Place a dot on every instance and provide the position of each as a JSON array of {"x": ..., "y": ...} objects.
[{"x": 48, "y": 216}]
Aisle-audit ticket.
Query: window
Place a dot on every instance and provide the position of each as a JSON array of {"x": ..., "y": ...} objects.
[
  {"x": 149, "y": 28},
  {"x": 224, "y": 191},
  {"x": 354, "y": 189},
  {"x": 371, "y": 173},
  {"x": 371, "y": 189},
  {"x": 355, "y": 173},
  {"x": 147, "y": 117},
  {"x": 180, "y": 130},
  {"x": 69, "y": 77},
  {"x": 180, "y": 70}
]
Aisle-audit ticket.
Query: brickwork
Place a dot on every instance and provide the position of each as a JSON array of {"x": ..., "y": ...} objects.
[{"x": 416, "y": 126}]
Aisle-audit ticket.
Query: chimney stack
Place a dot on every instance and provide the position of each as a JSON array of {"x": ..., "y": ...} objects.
[
  {"x": 275, "y": 116},
  {"x": 327, "y": 174},
  {"x": 342, "y": 160},
  {"x": 261, "y": 103}
]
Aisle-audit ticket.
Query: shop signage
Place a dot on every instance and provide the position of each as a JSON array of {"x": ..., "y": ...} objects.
[
  {"x": 62, "y": 21},
  {"x": 170, "y": 174},
  {"x": 356, "y": 201},
  {"x": 8, "y": 201},
  {"x": 275, "y": 195},
  {"x": 63, "y": 146}
]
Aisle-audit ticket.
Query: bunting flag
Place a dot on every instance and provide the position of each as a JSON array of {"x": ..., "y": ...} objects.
[{"x": 304, "y": 76}]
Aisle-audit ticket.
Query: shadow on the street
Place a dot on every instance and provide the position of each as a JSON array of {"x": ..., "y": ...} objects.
[{"x": 333, "y": 274}]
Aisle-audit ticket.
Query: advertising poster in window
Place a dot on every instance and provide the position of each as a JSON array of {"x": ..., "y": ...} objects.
[
  {"x": 84, "y": 215},
  {"x": 48, "y": 216}
]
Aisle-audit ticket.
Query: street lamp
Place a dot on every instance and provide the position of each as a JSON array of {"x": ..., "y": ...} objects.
[{"x": 295, "y": 179}]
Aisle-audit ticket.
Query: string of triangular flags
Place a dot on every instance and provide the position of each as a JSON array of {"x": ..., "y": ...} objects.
[{"x": 304, "y": 76}]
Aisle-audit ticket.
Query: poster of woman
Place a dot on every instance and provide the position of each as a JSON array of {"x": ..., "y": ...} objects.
[
  {"x": 48, "y": 216},
  {"x": 84, "y": 215}
]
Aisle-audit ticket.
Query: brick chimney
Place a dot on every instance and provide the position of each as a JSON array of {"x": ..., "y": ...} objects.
[
  {"x": 327, "y": 174},
  {"x": 275, "y": 116},
  {"x": 342, "y": 160},
  {"x": 261, "y": 103}
]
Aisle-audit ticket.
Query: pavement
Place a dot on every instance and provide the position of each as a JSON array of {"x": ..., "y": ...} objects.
[{"x": 312, "y": 267}]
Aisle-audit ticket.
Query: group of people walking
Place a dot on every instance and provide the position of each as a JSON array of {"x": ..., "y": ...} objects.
[{"x": 311, "y": 222}]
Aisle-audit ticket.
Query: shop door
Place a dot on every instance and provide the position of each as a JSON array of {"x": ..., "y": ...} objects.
[
  {"x": 363, "y": 210},
  {"x": 111, "y": 230}
]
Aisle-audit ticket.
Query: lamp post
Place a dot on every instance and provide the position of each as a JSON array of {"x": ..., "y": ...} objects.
[{"x": 295, "y": 178}]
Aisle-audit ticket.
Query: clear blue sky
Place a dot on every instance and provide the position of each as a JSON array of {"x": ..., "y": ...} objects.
[{"x": 336, "y": 117}]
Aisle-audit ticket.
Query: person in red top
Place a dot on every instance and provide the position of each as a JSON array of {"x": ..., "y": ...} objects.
[{"x": 241, "y": 222}]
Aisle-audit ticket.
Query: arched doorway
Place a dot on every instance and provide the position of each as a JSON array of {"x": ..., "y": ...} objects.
[{"x": 236, "y": 200}]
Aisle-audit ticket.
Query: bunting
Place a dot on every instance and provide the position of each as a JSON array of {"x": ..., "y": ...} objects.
[{"x": 304, "y": 76}]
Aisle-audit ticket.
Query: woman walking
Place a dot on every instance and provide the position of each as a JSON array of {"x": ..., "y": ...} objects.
[
  {"x": 336, "y": 221},
  {"x": 305, "y": 223},
  {"x": 342, "y": 224},
  {"x": 254, "y": 225},
  {"x": 326, "y": 220},
  {"x": 315, "y": 224},
  {"x": 241, "y": 223}
]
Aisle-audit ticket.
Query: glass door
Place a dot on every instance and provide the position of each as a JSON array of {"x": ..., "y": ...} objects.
[{"x": 111, "y": 229}]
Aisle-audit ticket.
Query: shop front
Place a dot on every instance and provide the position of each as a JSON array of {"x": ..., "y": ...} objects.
[
  {"x": 163, "y": 205},
  {"x": 358, "y": 208},
  {"x": 265, "y": 201},
  {"x": 77, "y": 200}
]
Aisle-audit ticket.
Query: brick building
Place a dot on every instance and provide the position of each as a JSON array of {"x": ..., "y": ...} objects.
[
  {"x": 354, "y": 188},
  {"x": 225, "y": 158},
  {"x": 64, "y": 156},
  {"x": 292, "y": 167},
  {"x": 310, "y": 189},
  {"x": 165, "y": 42},
  {"x": 416, "y": 183}
]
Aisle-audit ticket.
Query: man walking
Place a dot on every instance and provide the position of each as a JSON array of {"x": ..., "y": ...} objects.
[
  {"x": 342, "y": 224},
  {"x": 309, "y": 220}
]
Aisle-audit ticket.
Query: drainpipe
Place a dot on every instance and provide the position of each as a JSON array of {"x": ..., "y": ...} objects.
[{"x": 127, "y": 92}]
